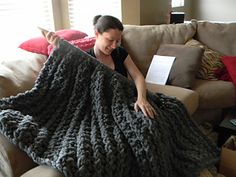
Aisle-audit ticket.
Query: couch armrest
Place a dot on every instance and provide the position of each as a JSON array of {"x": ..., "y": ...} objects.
[
  {"x": 188, "y": 97},
  {"x": 20, "y": 162},
  {"x": 5, "y": 167}
]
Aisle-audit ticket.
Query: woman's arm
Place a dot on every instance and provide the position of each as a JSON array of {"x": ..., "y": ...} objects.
[{"x": 139, "y": 81}]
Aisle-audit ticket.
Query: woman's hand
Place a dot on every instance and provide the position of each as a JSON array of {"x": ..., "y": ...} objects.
[
  {"x": 140, "y": 84},
  {"x": 145, "y": 107},
  {"x": 51, "y": 37}
]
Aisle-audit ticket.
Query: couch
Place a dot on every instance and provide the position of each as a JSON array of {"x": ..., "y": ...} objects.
[
  {"x": 142, "y": 42},
  {"x": 203, "y": 99}
]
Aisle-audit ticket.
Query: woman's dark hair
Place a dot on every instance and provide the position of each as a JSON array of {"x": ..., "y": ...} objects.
[{"x": 106, "y": 22}]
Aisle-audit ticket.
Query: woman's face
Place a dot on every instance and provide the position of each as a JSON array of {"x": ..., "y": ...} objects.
[{"x": 108, "y": 41}]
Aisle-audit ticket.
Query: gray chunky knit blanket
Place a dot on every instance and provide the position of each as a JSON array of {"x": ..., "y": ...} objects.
[{"x": 79, "y": 118}]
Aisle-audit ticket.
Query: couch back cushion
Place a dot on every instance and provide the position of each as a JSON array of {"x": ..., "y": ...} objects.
[
  {"x": 142, "y": 42},
  {"x": 218, "y": 36},
  {"x": 18, "y": 71}
]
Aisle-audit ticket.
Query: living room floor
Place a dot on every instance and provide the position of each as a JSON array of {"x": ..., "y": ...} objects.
[{"x": 208, "y": 130}]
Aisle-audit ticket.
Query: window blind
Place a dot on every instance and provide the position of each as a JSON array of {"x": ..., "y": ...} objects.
[
  {"x": 81, "y": 12},
  {"x": 177, "y": 3},
  {"x": 19, "y": 20}
]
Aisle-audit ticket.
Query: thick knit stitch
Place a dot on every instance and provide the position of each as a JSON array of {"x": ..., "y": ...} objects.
[{"x": 79, "y": 118}]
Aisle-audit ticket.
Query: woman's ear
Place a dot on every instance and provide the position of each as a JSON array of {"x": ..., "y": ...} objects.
[{"x": 96, "y": 33}]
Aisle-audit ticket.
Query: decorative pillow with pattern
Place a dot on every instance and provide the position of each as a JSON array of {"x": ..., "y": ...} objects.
[
  {"x": 210, "y": 63},
  {"x": 84, "y": 44}
]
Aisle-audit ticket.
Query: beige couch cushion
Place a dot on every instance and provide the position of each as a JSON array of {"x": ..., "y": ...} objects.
[
  {"x": 215, "y": 94},
  {"x": 186, "y": 64},
  {"x": 5, "y": 167},
  {"x": 43, "y": 171},
  {"x": 188, "y": 97},
  {"x": 218, "y": 36},
  {"x": 142, "y": 42},
  {"x": 20, "y": 162},
  {"x": 18, "y": 71}
]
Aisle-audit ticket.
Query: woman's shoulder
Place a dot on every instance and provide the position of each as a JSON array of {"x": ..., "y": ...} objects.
[
  {"x": 120, "y": 50},
  {"x": 91, "y": 51},
  {"x": 119, "y": 54}
]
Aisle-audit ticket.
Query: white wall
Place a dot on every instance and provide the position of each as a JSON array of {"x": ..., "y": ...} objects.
[
  {"x": 214, "y": 10},
  {"x": 154, "y": 12},
  {"x": 145, "y": 12}
]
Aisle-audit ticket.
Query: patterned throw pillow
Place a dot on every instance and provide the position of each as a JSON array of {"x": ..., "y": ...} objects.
[
  {"x": 210, "y": 63},
  {"x": 84, "y": 44}
]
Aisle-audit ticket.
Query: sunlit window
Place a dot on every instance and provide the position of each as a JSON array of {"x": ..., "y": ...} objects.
[
  {"x": 81, "y": 12},
  {"x": 177, "y": 3},
  {"x": 20, "y": 18}
]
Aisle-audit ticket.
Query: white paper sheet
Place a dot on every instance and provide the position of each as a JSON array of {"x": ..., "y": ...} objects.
[{"x": 159, "y": 69}]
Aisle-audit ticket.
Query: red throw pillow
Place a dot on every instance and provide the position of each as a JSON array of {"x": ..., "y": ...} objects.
[
  {"x": 230, "y": 64},
  {"x": 40, "y": 45},
  {"x": 70, "y": 34},
  {"x": 84, "y": 44},
  {"x": 223, "y": 74}
]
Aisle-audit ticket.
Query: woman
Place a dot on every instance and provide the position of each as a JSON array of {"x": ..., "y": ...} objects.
[
  {"x": 77, "y": 119},
  {"x": 108, "y": 32}
]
